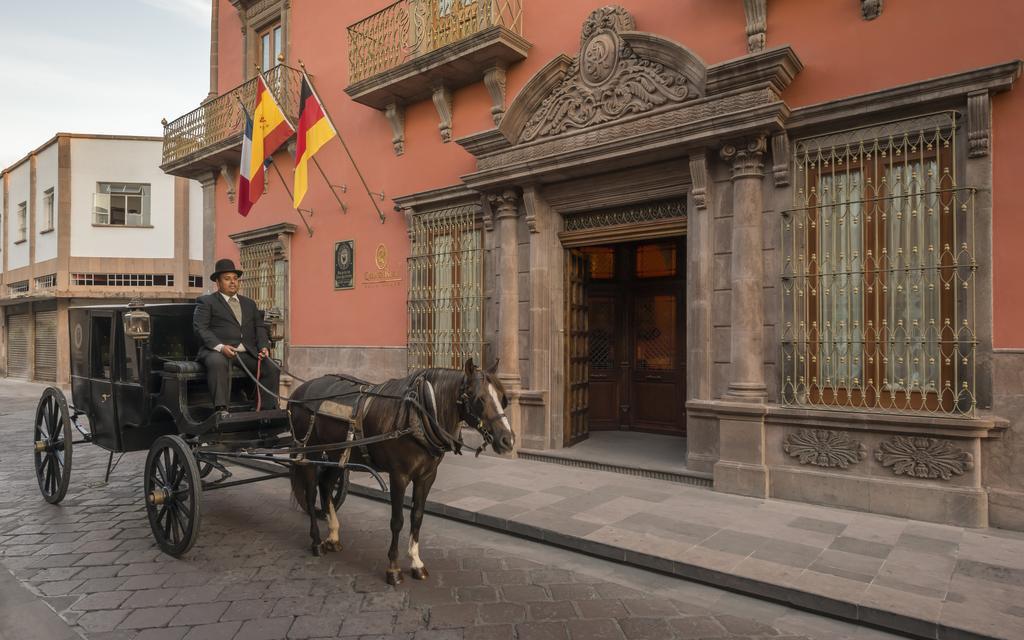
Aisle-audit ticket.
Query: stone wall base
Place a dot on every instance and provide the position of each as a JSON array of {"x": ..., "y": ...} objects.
[
  {"x": 374, "y": 364},
  {"x": 1006, "y": 509},
  {"x": 960, "y": 506}
]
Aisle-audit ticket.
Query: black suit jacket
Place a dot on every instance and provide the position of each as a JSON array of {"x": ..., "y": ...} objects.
[{"x": 215, "y": 324}]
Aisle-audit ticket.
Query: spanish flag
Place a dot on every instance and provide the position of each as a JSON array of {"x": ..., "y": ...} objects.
[
  {"x": 315, "y": 131},
  {"x": 267, "y": 130}
]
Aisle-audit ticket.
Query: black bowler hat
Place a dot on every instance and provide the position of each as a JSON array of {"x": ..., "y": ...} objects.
[{"x": 225, "y": 265}]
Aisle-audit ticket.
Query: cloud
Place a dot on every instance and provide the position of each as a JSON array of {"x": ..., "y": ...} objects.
[{"x": 195, "y": 11}]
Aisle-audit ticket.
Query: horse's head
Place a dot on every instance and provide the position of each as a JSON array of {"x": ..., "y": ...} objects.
[{"x": 482, "y": 403}]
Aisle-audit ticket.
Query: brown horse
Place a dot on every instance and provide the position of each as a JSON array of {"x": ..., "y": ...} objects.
[{"x": 430, "y": 404}]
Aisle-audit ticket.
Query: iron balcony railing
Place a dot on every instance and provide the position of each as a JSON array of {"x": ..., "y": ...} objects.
[
  {"x": 221, "y": 119},
  {"x": 408, "y": 29}
]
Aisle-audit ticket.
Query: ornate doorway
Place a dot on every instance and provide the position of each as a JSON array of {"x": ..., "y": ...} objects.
[{"x": 636, "y": 336}]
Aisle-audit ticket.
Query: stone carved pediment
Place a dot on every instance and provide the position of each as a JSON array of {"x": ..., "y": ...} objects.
[{"x": 618, "y": 72}]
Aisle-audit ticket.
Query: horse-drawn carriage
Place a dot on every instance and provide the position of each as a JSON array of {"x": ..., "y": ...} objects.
[{"x": 137, "y": 385}]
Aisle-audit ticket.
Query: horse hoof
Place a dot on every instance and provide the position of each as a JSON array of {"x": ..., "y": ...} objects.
[
  {"x": 318, "y": 550},
  {"x": 331, "y": 545},
  {"x": 394, "y": 577},
  {"x": 419, "y": 574}
]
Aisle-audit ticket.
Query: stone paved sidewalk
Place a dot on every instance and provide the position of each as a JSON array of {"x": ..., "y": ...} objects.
[
  {"x": 929, "y": 580},
  {"x": 89, "y": 568}
]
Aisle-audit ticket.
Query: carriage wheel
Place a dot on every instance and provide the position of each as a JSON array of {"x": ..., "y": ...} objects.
[
  {"x": 52, "y": 436},
  {"x": 173, "y": 494}
]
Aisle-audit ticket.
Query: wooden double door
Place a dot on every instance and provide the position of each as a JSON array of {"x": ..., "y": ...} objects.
[{"x": 636, "y": 336}]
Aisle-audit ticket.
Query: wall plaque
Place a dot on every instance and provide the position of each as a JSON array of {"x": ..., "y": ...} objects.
[
  {"x": 383, "y": 274},
  {"x": 344, "y": 264}
]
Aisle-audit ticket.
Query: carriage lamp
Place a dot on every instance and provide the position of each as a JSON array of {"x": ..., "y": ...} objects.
[
  {"x": 274, "y": 320},
  {"x": 136, "y": 321}
]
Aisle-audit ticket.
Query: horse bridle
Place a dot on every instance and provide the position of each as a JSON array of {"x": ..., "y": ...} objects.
[{"x": 466, "y": 412}]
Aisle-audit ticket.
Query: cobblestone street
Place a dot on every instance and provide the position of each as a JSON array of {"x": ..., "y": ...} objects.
[{"x": 93, "y": 561}]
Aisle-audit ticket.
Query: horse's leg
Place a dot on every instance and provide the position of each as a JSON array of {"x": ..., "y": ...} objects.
[
  {"x": 309, "y": 475},
  {"x": 420, "y": 489},
  {"x": 398, "y": 484},
  {"x": 327, "y": 481}
]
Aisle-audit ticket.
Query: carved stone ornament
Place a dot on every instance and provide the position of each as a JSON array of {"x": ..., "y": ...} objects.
[
  {"x": 756, "y": 12},
  {"x": 920, "y": 457},
  {"x": 870, "y": 9},
  {"x": 746, "y": 157},
  {"x": 824, "y": 448},
  {"x": 606, "y": 81},
  {"x": 699, "y": 180},
  {"x": 979, "y": 123},
  {"x": 395, "y": 114}
]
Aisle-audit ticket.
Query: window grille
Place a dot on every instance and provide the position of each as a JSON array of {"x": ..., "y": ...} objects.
[
  {"x": 265, "y": 278},
  {"x": 123, "y": 279},
  {"x": 46, "y": 282},
  {"x": 445, "y": 289},
  {"x": 195, "y": 282},
  {"x": 879, "y": 271},
  {"x": 16, "y": 288}
]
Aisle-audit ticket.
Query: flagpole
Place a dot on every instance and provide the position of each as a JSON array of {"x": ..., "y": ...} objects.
[
  {"x": 330, "y": 121},
  {"x": 245, "y": 111},
  {"x": 309, "y": 229},
  {"x": 344, "y": 208}
]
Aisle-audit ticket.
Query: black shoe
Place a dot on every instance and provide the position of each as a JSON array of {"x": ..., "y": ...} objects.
[{"x": 222, "y": 412}]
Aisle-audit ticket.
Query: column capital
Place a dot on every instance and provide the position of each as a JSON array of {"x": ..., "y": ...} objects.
[
  {"x": 504, "y": 204},
  {"x": 746, "y": 156}
]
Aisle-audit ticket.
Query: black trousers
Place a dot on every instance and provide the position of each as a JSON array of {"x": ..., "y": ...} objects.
[{"x": 218, "y": 378}]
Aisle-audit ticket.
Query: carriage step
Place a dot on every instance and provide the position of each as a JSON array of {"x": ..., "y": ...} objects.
[{"x": 254, "y": 418}]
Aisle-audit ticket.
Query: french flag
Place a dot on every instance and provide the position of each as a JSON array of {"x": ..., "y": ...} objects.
[{"x": 247, "y": 196}]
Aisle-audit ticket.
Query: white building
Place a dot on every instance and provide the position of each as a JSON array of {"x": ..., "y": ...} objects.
[{"x": 89, "y": 219}]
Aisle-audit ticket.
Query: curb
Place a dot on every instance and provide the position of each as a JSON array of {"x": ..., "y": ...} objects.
[{"x": 799, "y": 599}]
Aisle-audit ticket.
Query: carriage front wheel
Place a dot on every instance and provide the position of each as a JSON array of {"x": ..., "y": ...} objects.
[
  {"x": 173, "y": 494},
  {"x": 52, "y": 435}
]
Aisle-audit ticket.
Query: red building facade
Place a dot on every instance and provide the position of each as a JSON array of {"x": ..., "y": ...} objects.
[{"x": 783, "y": 230}]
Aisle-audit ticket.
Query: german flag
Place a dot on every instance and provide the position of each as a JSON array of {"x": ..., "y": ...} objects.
[{"x": 315, "y": 131}]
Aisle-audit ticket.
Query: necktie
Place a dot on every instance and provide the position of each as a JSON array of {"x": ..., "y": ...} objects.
[{"x": 236, "y": 308}]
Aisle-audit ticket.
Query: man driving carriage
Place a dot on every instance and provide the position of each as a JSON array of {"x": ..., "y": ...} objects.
[{"x": 230, "y": 328}]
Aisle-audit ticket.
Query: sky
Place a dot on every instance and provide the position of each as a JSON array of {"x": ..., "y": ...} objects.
[{"x": 98, "y": 66}]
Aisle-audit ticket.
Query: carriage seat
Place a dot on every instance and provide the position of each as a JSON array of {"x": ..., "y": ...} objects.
[{"x": 193, "y": 370}]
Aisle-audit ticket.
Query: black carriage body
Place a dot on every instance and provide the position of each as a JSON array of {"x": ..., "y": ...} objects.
[{"x": 114, "y": 380}]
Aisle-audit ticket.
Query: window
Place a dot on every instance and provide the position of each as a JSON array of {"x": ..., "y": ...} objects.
[
  {"x": 48, "y": 281},
  {"x": 879, "y": 263},
  {"x": 123, "y": 279},
  {"x": 195, "y": 282},
  {"x": 121, "y": 204},
  {"x": 445, "y": 289},
  {"x": 266, "y": 278},
  {"x": 102, "y": 330},
  {"x": 47, "y": 210},
  {"x": 22, "y": 222},
  {"x": 270, "y": 47},
  {"x": 16, "y": 288}
]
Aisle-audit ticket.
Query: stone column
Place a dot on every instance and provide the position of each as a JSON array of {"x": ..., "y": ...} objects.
[
  {"x": 209, "y": 184},
  {"x": 746, "y": 380},
  {"x": 505, "y": 206},
  {"x": 214, "y": 49},
  {"x": 741, "y": 466}
]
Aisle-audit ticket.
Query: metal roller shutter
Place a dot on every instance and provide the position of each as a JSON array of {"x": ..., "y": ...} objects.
[
  {"x": 17, "y": 345},
  {"x": 46, "y": 346}
]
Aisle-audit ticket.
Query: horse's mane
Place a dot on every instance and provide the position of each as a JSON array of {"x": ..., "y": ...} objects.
[{"x": 446, "y": 383}]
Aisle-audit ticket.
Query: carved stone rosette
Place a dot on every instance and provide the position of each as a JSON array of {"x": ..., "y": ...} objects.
[
  {"x": 504, "y": 204},
  {"x": 746, "y": 157},
  {"x": 824, "y": 448},
  {"x": 870, "y": 9},
  {"x": 920, "y": 457},
  {"x": 606, "y": 81}
]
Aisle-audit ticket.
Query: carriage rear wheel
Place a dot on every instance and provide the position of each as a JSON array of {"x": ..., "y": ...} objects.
[
  {"x": 173, "y": 494},
  {"x": 52, "y": 453}
]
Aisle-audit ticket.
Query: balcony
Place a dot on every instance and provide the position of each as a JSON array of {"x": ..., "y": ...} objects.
[
  {"x": 210, "y": 137},
  {"x": 404, "y": 52}
]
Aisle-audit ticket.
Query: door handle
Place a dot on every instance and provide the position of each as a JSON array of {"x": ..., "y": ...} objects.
[{"x": 104, "y": 397}]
